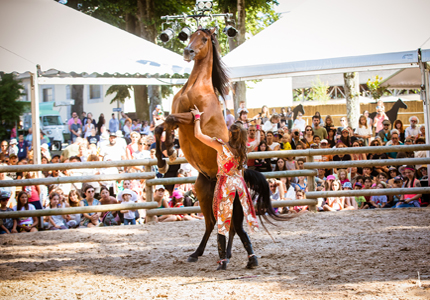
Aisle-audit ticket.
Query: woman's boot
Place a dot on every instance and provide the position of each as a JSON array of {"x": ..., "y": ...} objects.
[
  {"x": 252, "y": 258},
  {"x": 222, "y": 263}
]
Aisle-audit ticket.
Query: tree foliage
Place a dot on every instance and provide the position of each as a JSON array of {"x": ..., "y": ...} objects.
[
  {"x": 11, "y": 109},
  {"x": 375, "y": 88},
  {"x": 121, "y": 92},
  {"x": 320, "y": 91}
]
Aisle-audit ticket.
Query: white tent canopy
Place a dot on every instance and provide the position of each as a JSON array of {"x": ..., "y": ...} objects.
[
  {"x": 54, "y": 36},
  {"x": 335, "y": 36}
]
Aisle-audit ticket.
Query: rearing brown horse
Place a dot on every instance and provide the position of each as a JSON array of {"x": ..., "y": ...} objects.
[{"x": 207, "y": 76}]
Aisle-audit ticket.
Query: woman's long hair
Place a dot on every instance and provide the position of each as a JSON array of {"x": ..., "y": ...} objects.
[
  {"x": 237, "y": 143},
  {"x": 71, "y": 203},
  {"x": 401, "y": 130},
  {"x": 19, "y": 205},
  {"x": 277, "y": 167}
]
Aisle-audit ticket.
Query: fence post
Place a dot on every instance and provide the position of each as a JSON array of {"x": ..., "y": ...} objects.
[
  {"x": 149, "y": 197},
  {"x": 311, "y": 184}
]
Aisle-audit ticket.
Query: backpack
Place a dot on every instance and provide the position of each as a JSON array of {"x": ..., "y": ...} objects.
[{"x": 108, "y": 219}]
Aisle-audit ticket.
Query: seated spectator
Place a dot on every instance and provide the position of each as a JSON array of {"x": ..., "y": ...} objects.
[
  {"x": 285, "y": 142},
  {"x": 129, "y": 215},
  {"x": 422, "y": 173},
  {"x": 55, "y": 222},
  {"x": 393, "y": 142},
  {"x": 413, "y": 130},
  {"x": 272, "y": 124},
  {"x": 263, "y": 164},
  {"x": 394, "y": 199},
  {"x": 378, "y": 201},
  {"x": 190, "y": 198},
  {"x": 291, "y": 163},
  {"x": 280, "y": 165},
  {"x": 308, "y": 138},
  {"x": 342, "y": 175},
  {"x": 8, "y": 225},
  {"x": 334, "y": 203},
  {"x": 73, "y": 200},
  {"x": 270, "y": 142},
  {"x": 90, "y": 219},
  {"x": 358, "y": 156},
  {"x": 410, "y": 181},
  {"x": 392, "y": 173},
  {"x": 161, "y": 199},
  {"x": 345, "y": 137},
  {"x": 25, "y": 224},
  {"x": 399, "y": 126},
  {"x": 382, "y": 177},
  {"x": 360, "y": 200},
  {"x": 300, "y": 195},
  {"x": 295, "y": 138},
  {"x": 178, "y": 201},
  {"x": 422, "y": 133},
  {"x": 184, "y": 187},
  {"x": 385, "y": 133},
  {"x": 350, "y": 203}
]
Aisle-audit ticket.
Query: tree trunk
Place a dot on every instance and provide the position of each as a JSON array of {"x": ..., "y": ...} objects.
[
  {"x": 352, "y": 93},
  {"x": 154, "y": 94},
  {"x": 141, "y": 102},
  {"x": 78, "y": 96},
  {"x": 239, "y": 87}
]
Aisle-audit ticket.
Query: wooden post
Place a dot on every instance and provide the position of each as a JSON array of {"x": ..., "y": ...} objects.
[
  {"x": 150, "y": 219},
  {"x": 311, "y": 185}
]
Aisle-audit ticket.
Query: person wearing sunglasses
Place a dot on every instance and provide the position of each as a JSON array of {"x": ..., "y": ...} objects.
[{"x": 90, "y": 219}]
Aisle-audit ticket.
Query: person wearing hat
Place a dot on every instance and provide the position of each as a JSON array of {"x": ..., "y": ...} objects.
[
  {"x": 360, "y": 200},
  {"x": 410, "y": 181},
  {"x": 385, "y": 133},
  {"x": 345, "y": 138},
  {"x": 157, "y": 116},
  {"x": 113, "y": 150},
  {"x": 129, "y": 215},
  {"x": 13, "y": 148},
  {"x": 7, "y": 225},
  {"x": 160, "y": 198},
  {"x": 44, "y": 148}
]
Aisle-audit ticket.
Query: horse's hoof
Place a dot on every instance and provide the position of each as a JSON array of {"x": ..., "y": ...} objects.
[
  {"x": 174, "y": 155},
  {"x": 222, "y": 265},
  {"x": 192, "y": 259},
  {"x": 252, "y": 262},
  {"x": 164, "y": 169}
]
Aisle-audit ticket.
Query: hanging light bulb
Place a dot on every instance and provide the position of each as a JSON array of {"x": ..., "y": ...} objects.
[
  {"x": 166, "y": 35},
  {"x": 230, "y": 31},
  {"x": 185, "y": 33}
]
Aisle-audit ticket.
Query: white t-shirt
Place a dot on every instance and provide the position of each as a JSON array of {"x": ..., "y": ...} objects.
[
  {"x": 412, "y": 131},
  {"x": 141, "y": 155},
  {"x": 25, "y": 220},
  {"x": 114, "y": 152},
  {"x": 363, "y": 130},
  {"x": 300, "y": 124},
  {"x": 129, "y": 215},
  {"x": 272, "y": 147},
  {"x": 269, "y": 126}
]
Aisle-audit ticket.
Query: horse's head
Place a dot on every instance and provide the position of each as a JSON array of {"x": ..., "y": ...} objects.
[
  {"x": 401, "y": 104},
  {"x": 301, "y": 109},
  {"x": 199, "y": 45}
]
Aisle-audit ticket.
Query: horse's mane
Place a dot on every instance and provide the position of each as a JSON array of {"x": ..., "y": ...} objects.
[{"x": 220, "y": 78}]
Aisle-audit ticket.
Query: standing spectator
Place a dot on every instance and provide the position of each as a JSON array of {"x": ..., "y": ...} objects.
[
  {"x": 100, "y": 124},
  {"x": 88, "y": 127},
  {"x": 345, "y": 138},
  {"x": 76, "y": 129},
  {"x": 229, "y": 118},
  {"x": 380, "y": 117},
  {"x": 318, "y": 130},
  {"x": 134, "y": 145},
  {"x": 289, "y": 117},
  {"x": 343, "y": 124},
  {"x": 122, "y": 120},
  {"x": 93, "y": 138},
  {"x": 113, "y": 124},
  {"x": 331, "y": 137},
  {"x": 243, "y": 117},
  {"x": 317, "y": 114},
  {"x": 157, "y": 116},
  {"x": 22, "y": 147},
  {"x": 299, "y": 122},
  {"x": 363, "y": 130},
  {"x": 13, "y": 148},
  {"x": 127, "y": 129},
  {"x": 25, "y": 224},
  {"x": 72, "y": 121},
  {"x": 264, "y": 115},
  {"x": 8, "y": 225},
  {"x": 329, "y": 123},
  {"x": 399, "y": 126},
  {"x": 84, "y": 118},
  {"x": 413, "y": 130},
  {"x": 308, "y": 139}
]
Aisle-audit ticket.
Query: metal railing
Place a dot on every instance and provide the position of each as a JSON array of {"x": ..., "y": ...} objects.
[{"x": 309, "y": 171}]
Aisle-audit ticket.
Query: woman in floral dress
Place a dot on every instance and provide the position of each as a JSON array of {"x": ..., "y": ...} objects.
[{"x": 232, "y": 201}]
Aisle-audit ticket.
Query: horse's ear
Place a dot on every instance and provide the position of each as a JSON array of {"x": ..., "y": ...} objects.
[{"x": 212, "y": 30}]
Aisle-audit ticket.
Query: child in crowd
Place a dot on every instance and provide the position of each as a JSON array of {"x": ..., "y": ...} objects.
[
  {"x": 349, "y": 201},
  {"x": 397, "y": 183},
  {"x": 343, "y": 176},
  {"x": 129, "y": 215},
  {"x": 377, "y": 201},
  {"x": 360, "y": 200},
  {"x": 8, "y": 225},
  {"x": 25, "y": 224},
  {"x": 55, "y": 222}
]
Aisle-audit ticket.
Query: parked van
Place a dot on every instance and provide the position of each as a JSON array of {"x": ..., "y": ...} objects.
[{"x": 50, "y": 123}]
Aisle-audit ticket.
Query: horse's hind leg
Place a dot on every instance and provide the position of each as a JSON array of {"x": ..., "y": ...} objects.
[
  {"x": 162, "y": 165},
  {"x": 205, "y": 193}
]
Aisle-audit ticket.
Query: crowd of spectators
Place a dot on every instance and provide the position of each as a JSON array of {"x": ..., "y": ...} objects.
[{"x": 127, "y": 139}]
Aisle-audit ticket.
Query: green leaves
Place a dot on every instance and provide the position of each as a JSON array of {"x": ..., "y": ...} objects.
[
  {"x": 375, "y": 88},
  {"x": 11, "y": 109},
  {"x": 121, "y": 92}
]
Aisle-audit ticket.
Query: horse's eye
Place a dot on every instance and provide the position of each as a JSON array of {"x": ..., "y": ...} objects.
[{"x": 204, "y": 40}]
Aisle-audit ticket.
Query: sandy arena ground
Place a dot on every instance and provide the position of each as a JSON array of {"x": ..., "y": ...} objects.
[{"x": 347, "y": 255}]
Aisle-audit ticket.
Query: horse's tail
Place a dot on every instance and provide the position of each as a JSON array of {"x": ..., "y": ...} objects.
[{"x": 258, "y": 183}]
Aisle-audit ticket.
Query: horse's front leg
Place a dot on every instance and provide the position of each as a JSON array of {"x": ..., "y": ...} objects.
[
  {"x": 162, "y": 165},
  {"x": 172, "y": 122}
]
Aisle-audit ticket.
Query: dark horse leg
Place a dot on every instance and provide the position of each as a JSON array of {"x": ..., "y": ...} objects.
[
  {"x": 238, "y": 226},
  {"x": 171, "y": 123},
  {"x": 205, "y": 192}
]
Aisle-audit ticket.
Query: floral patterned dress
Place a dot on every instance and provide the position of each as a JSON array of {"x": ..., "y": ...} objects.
[{"x": 230, "y": 181}]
